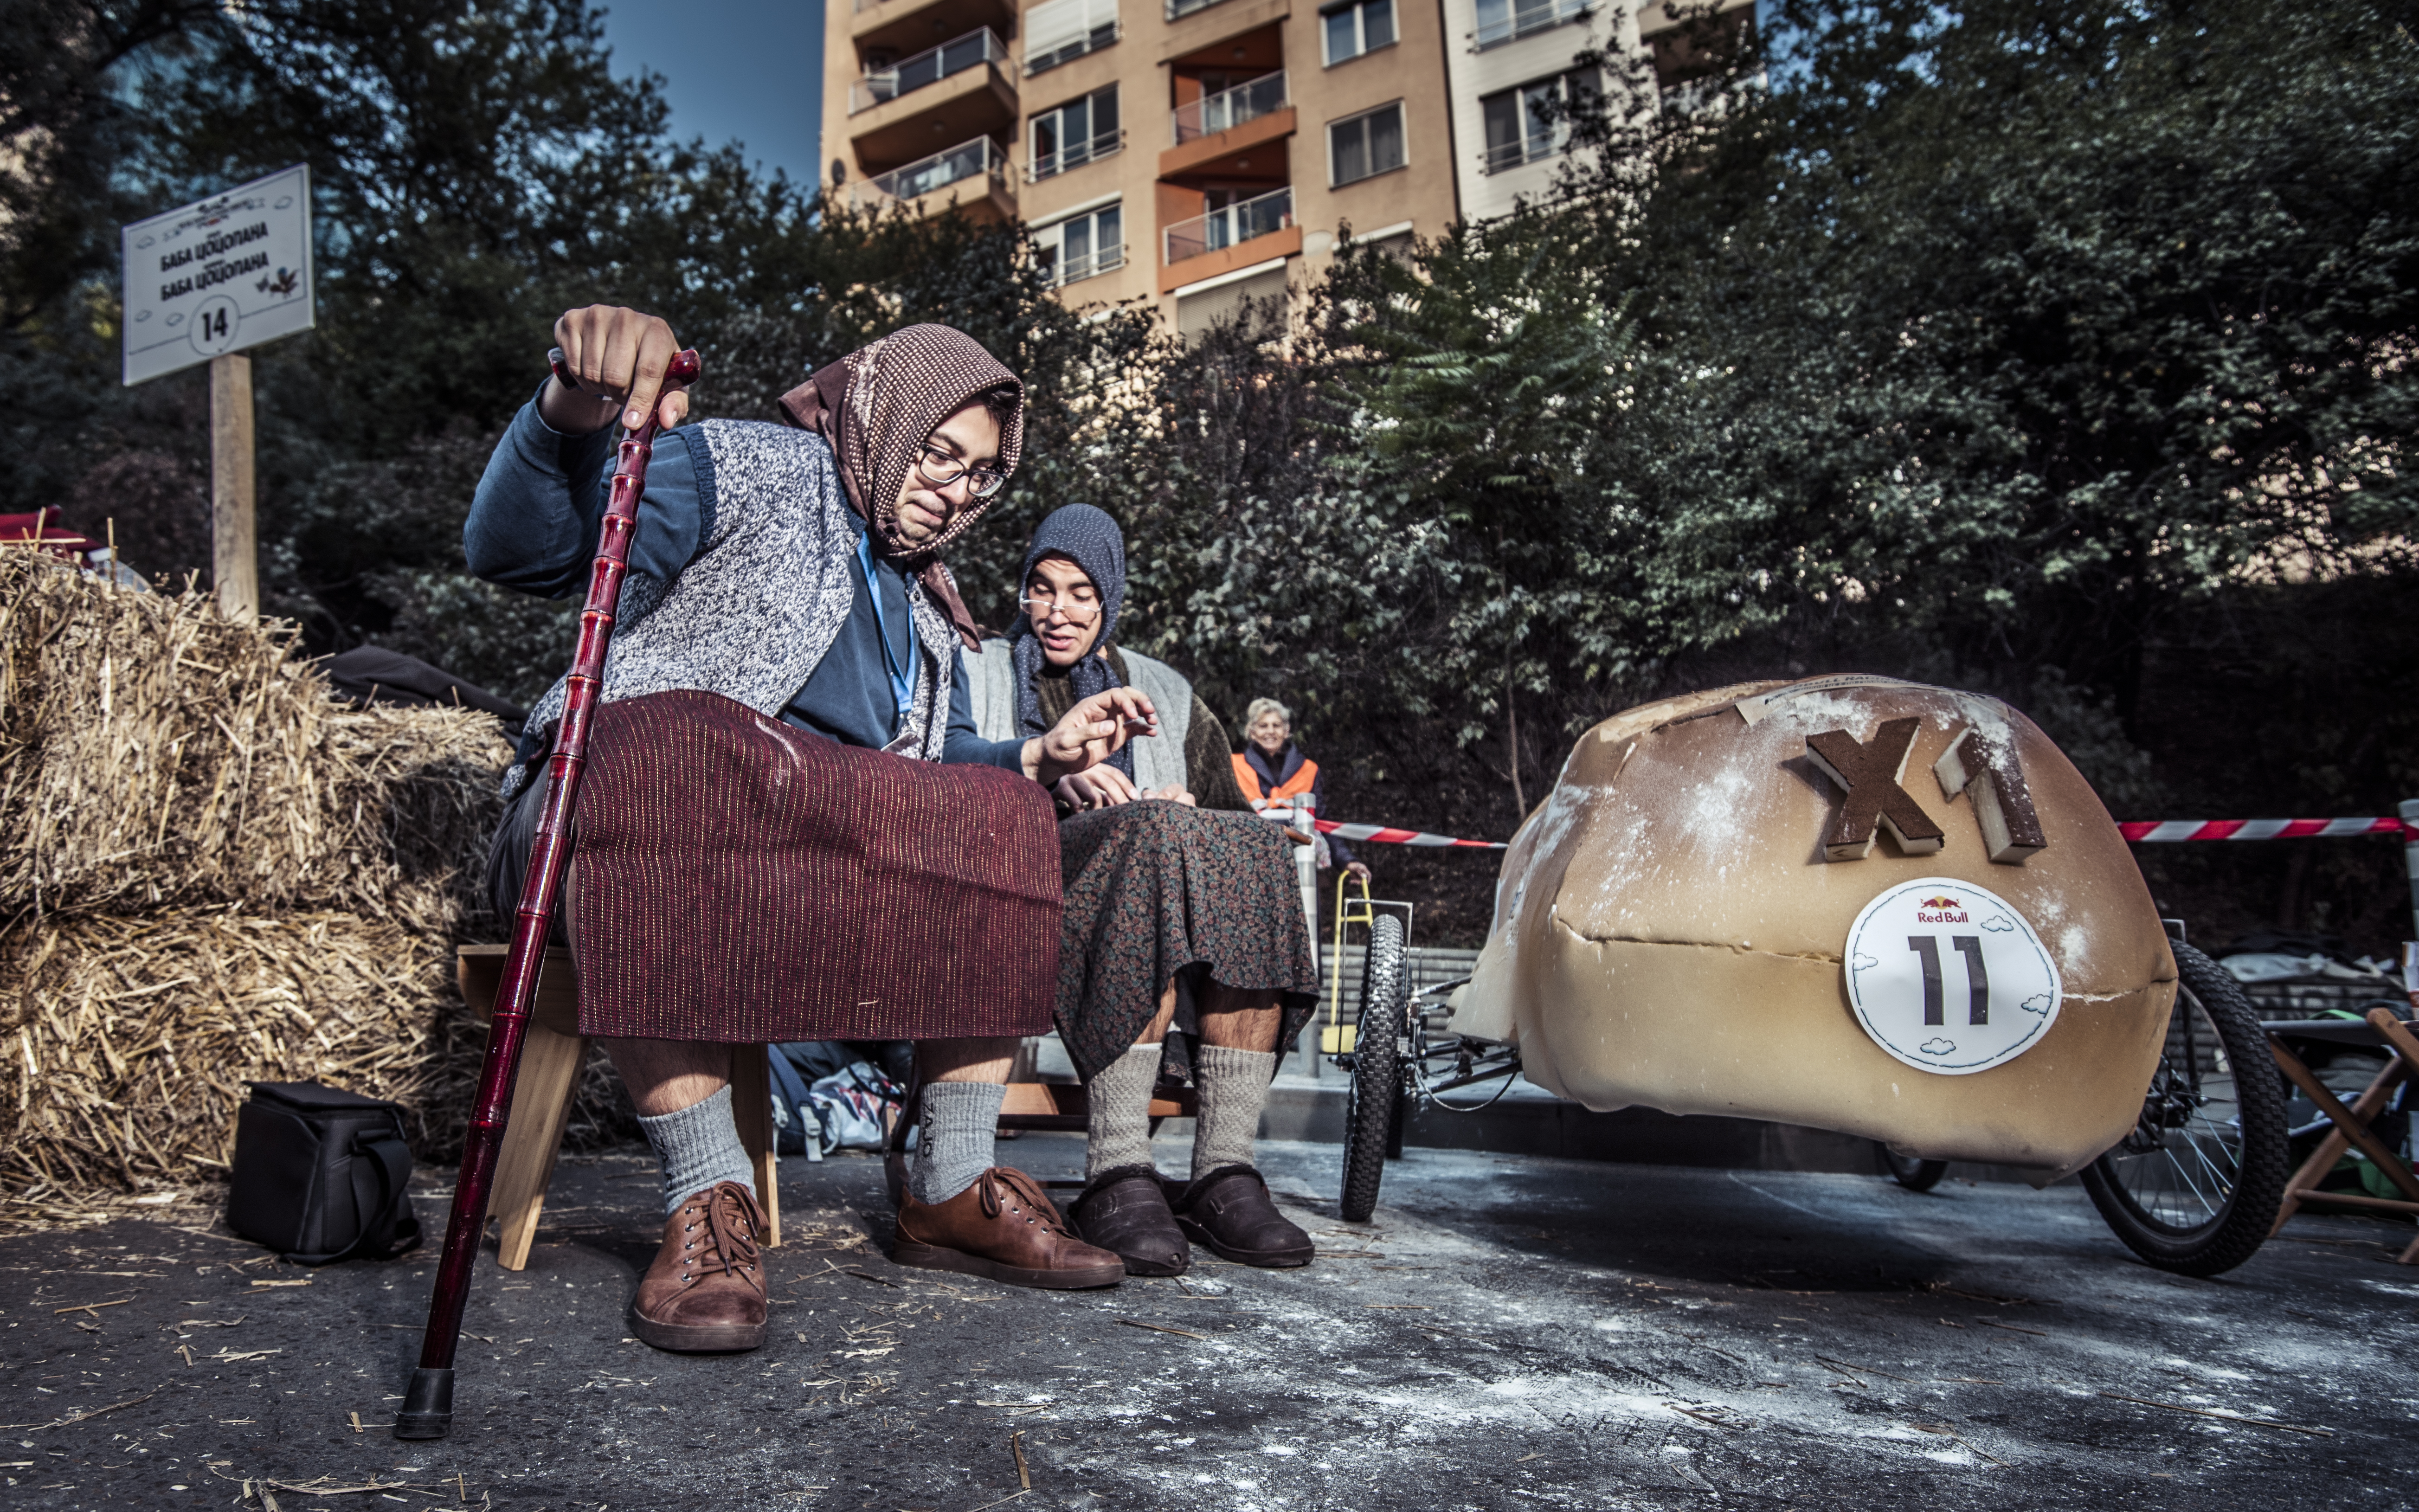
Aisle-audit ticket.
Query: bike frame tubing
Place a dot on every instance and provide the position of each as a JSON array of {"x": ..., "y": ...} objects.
[{"x": 428, "y": 1403}]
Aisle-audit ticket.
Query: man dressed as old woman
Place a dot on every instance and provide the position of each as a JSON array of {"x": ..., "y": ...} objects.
[
  {"x": 789, "y": 829},
  {"x": 1183, "y": 947}
]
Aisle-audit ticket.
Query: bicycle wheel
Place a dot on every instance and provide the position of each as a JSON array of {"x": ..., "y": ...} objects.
[
  {"x": 1377, "y": 1070},
  {"x": 2194, "y": 1187},
  {"x": 1912, "y": 1172}
]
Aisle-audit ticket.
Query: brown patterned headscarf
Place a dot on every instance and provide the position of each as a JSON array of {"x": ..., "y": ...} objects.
[{"x": 877, "y": 406}]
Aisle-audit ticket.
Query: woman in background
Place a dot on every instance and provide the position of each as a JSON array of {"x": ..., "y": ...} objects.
[{"x": 1273, "y": 771}]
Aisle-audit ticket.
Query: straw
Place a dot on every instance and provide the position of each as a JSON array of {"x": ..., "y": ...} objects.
[
  {"x": 154, "y": 754},
  {"x": 211, "y": 872}
]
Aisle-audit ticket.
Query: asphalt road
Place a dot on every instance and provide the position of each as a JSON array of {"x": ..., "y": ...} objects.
[{"x": 1509, "y": 1332}]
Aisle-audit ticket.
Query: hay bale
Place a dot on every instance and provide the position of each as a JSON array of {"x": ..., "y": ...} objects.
[
  {"x": 125, "y": 1042},
  {"x": 153, "y": 754},
  {"x": 129, "y": 1040}
]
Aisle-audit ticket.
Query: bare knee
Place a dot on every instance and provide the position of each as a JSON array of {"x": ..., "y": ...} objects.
[{"x": 1242, "y": 1018}]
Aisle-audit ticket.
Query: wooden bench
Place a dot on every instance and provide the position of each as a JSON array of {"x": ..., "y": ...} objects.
[{"x": 553, "y": 1051}]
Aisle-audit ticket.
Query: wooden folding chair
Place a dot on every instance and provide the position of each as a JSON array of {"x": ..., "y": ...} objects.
[
  {"x": 552, "y": 1054},
  {"x": 2352, "y": 1124}
]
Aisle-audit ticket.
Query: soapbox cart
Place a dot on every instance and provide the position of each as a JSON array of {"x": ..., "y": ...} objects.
[{"x": 1735, "y": 903}]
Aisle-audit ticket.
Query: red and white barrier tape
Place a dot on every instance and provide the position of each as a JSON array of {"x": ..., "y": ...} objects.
[
  {"x": 2171, "y": 830},
  {"x": 1382, "y": 834},
  {"x": 2140, "y": 830},
  {"x": 1385, "y": 836}
]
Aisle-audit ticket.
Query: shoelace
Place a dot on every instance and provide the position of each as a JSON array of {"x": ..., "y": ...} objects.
[
  {"x": 731, "y": 1225},
  {"x": 1022, "y": 1186}
]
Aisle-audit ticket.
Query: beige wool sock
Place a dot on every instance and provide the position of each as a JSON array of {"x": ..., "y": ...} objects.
[
  {"x": 1234, "y": 1086},
  {"x": 1119, "y": 1106}
]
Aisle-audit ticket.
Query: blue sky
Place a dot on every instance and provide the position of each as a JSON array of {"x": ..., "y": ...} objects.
[{"x": 750, "y": 69}]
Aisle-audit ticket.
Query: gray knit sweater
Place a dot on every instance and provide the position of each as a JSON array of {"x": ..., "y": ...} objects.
[{"x": 755, "y": 610}]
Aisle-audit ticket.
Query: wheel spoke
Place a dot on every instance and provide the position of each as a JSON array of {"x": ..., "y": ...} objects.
[{"x": 2187, "y": 1175}]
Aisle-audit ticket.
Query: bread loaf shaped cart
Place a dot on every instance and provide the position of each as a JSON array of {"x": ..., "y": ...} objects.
[{"x": 1858, "y": 905}]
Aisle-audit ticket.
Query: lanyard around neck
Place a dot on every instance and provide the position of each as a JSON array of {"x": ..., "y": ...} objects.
[{"x": 902, "y": 684}]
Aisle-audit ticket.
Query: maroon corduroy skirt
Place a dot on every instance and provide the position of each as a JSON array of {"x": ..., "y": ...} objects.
[{"x": 742, "y": 881}]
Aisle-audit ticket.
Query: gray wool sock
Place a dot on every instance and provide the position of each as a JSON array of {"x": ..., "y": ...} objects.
[
  {"x": 699, "y": 1147},
  {"x": 1119, "y": 1102},
  {"x": 953, "y": 1139},
  {"x": 1234, "y": 1084}
]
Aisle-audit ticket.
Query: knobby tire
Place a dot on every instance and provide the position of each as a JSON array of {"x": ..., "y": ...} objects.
[
  {"x": 2194, "y": 1187},
  {"x": 1377, "y": 1069}
]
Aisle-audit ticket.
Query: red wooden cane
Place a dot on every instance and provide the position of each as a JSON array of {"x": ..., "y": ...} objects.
[{"x": 428, "y": 1401}]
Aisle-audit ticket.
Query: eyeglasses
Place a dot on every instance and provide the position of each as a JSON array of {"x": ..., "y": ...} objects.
[
  {"x": 941, "y": 469},
  {"x": 1078, "y": 615}
]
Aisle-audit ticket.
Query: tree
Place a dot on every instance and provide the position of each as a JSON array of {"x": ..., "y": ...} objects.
[
  {"x": 1486, "y": 391},
  {"x": 2026, "y": 324},
  {"x": 476, "y": 168}
]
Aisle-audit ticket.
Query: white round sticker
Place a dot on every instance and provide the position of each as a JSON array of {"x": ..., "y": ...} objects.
[
  {"x": 1948, "y": 977},
  {"x": 215, "y": 324}
]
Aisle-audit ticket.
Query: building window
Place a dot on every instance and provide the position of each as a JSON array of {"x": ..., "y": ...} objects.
[
  {"x": 1075, "y": 134},
  {"x": 1365, "y": 146},
  {"x": 1358, "y": 27},
  {"x": 1081, "y": 245},
  {"x": 1503, "y": 21},
  {"x": 1534, "y": 121},
  {"x": 1065, "y": 30}
]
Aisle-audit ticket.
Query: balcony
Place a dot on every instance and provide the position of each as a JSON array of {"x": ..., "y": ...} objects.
[
  {"x": 1073, "y": 155},
  {"x": 952, "y": 93},
  {"x": 930, "y": 67},
  {"x": 894, "y": 28},
  {"x": 1230, "y": 108},
  {"x": 1263, "y": 215},
  {"x": 1065, "y": 30},
  {"x": 973, "y": 176},
  {"x": 1505, "y": 156},
  {"x": 1507, "y": 20},
  {"x": 1075, "y": 270}
]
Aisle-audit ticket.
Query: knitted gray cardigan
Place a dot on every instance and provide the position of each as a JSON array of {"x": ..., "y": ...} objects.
[{"x": 755, "y": 610}]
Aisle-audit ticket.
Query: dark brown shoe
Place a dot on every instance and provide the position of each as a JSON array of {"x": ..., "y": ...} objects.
[
  {"x": 705, "y": 1293},
  {"x": 1124, "y": 1212},
  {"x": 1003, "y": 1228},
  {"x": 1229, "y": 1214}
]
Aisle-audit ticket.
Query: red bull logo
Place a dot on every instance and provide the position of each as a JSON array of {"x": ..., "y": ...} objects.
[{"x": 1942, "y": 909}]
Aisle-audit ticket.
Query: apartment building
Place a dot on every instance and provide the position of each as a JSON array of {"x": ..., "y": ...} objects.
[
  {"x": 1200, "y": 152},
  {"x": 1193, "y": 152},
  {"x": 1516, "y": 72}
]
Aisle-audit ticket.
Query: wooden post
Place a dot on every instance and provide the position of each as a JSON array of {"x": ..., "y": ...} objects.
[{"x": 235, "y": 557}]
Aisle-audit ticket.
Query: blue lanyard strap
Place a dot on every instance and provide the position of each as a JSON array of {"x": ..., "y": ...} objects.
[{"x": 902, "y": 684}]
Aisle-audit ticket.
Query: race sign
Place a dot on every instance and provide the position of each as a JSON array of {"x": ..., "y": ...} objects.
[
  {"x": 1949, "y": 978},
  {"x": 231, "y": 272}
]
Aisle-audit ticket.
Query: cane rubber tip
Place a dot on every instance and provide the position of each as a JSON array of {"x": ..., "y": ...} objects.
[{"x": 427, "y": 1404}]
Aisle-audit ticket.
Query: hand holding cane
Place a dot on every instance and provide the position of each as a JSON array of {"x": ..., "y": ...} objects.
[{"x": 428, "y": 1402}]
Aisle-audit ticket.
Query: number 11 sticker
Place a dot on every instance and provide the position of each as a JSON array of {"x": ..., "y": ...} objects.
[{"x": 1949, "y": 978}]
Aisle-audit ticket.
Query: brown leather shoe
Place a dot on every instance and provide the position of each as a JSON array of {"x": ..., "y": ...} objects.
[
  {"x": 1003, "y": 1228},
  {"x": 705, "y": 1293},
  {"x": 1229, "y": 1214}
]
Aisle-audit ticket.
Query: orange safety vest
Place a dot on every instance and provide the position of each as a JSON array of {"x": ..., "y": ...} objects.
[{"x": 1305, "y": 776}]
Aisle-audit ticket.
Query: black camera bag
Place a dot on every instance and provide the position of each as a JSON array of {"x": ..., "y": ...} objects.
[{"x": 321, "y": 1175}]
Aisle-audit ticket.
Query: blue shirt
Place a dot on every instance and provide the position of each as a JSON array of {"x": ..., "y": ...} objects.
[{"x": 533, "y": 526}]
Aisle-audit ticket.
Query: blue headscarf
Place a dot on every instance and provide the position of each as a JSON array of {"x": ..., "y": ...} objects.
[{"x": 1090, "y": 539}]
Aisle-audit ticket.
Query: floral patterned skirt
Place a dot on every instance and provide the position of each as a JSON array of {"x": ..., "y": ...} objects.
[{"x": 1159, "y": 891}]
